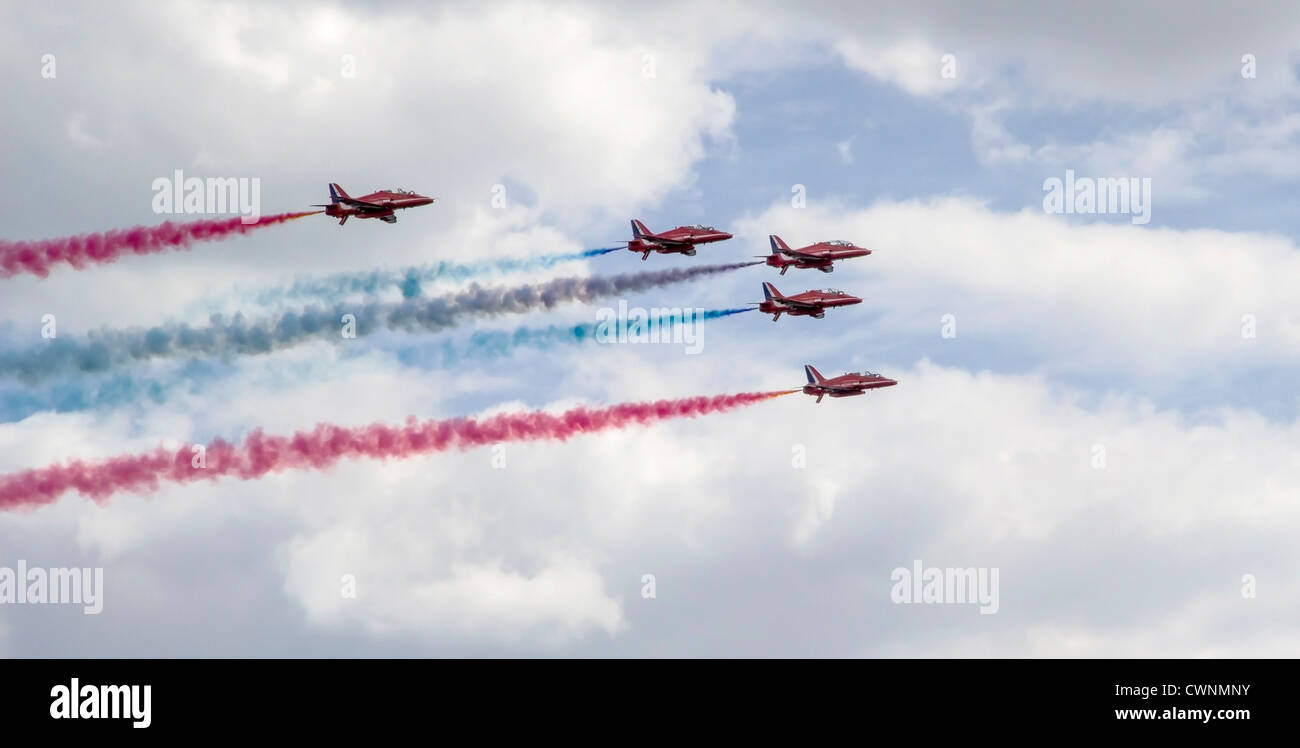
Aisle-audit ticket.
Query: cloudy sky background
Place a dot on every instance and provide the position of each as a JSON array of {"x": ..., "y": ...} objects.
[{"x": 1072, "y": 331}]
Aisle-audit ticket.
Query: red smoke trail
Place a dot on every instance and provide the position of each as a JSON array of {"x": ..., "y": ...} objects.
[
  {"x": 36, "y": 257},
  {"x": 327, "y": 444}
]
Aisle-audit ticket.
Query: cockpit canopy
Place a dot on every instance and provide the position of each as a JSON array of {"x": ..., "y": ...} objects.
[
  {"x": 399, "y": 191},
  {"x": 865, "y": 373},
  {"x": 834, "y": 292},
  {"x": 839, "y": 243},
  {"x": 701, "y": 227}
]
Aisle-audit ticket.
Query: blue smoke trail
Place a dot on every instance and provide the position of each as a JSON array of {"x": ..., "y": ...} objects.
[
  {"x": 241, "y": 336},
  {"x": 108, "y": 392},
  {"x": 411, "y": 280},
  {"x": 499, "y": 342},
  {"x": 17, "y": 404},
  {"x": 496, "y": 343}
]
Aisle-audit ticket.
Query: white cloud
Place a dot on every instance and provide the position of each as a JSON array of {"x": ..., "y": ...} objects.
[
  {"x": 1074, "y": 54},
  {"x": 1189, "y": 157},
  {"x": 845, "y": 148},
  {"x": 77, "y": 133},
  {"x": 430, "y": 575},
  {"x": 913, "y": 65},
  {"x": 1036, "y": 59},
  {"x": 1099, "y": 297},
  {"x": 546, "y": 555},
  {"x": 553, "y": 99},
  {"x": 751, "y": 554}
]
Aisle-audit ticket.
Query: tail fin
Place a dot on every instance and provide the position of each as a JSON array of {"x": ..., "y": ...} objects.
[
  {"x": 769, "y": 291},
  {"x": 814, "y": 376},
  {"x": 777, "y": 244},
  {"x": 639, "y": 230},
  {"x": 337, "y": 192}
]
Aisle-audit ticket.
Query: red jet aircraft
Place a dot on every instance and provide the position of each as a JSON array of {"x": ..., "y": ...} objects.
[
  {"x": 845, "y": 385},
  {"x": 821, "y": 255},
  {"x": 381, "y": 204},
  {"x": 681, "y": 239},
  {"x": 807, "y": 304}
]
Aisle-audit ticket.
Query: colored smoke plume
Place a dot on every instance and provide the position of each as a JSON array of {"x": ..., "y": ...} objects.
[
  {"x": 261, "y": 454},
  {"x": 410, "y": 280},
  {"x": 107, "y": 349},
  {"x": 37, "y": 257}
]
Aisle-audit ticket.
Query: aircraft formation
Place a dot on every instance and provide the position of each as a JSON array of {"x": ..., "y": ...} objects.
[
  {"x": 260, "y": 454},
  {"x": 812, "y": 303},
  {"x": 684, "y": 240}
]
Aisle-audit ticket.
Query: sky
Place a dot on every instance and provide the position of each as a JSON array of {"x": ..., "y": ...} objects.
[{"x": 1100, "y": 410}]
